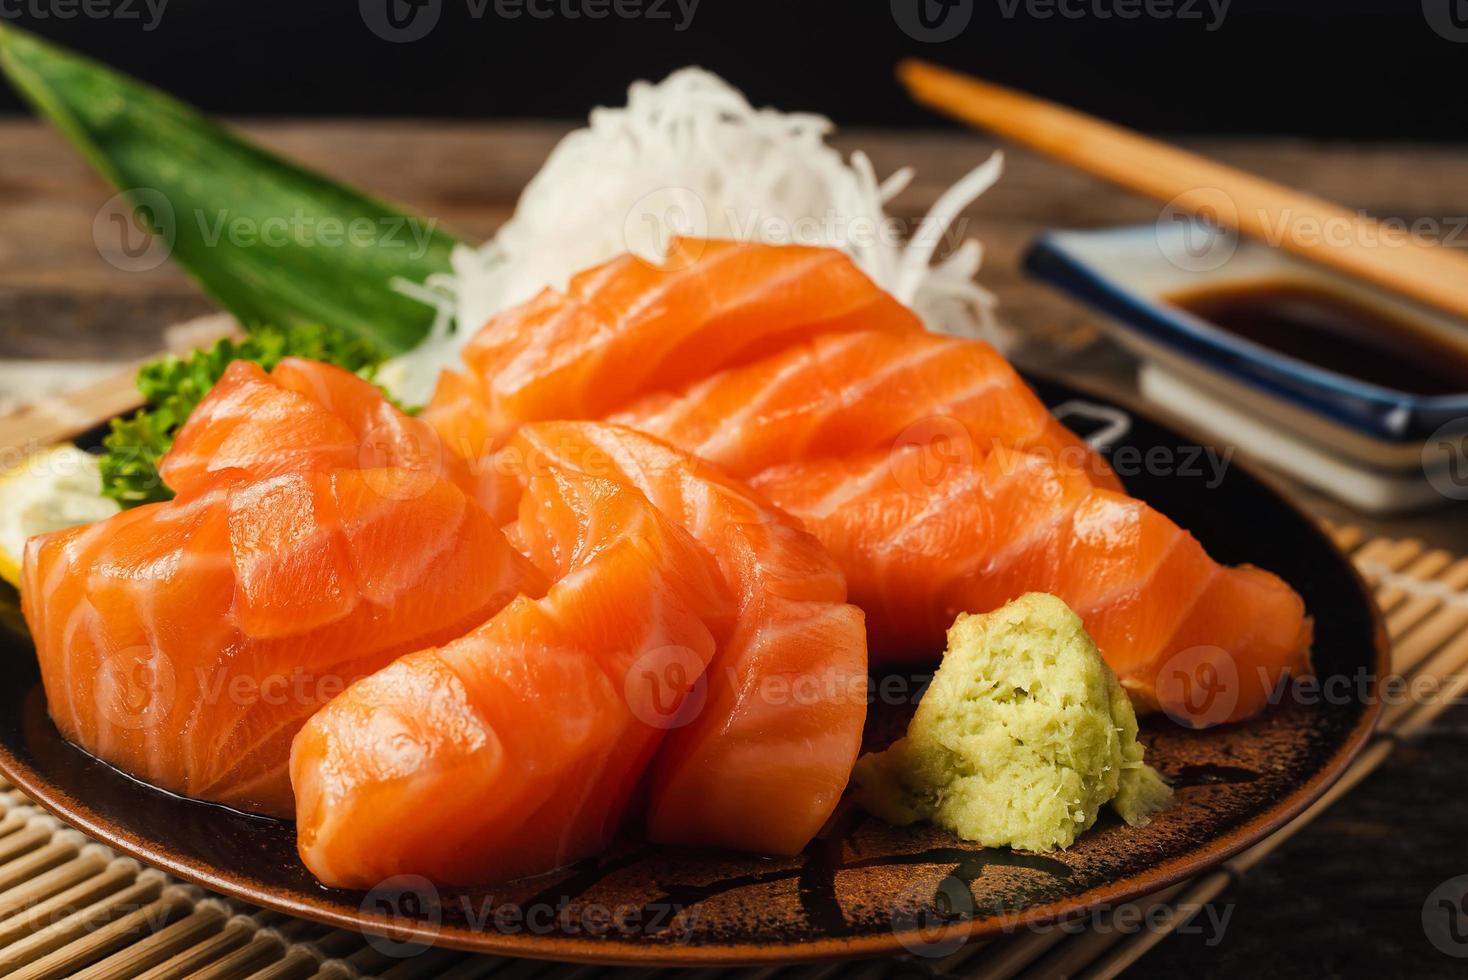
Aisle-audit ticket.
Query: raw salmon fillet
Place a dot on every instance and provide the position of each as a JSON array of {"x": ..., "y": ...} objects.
[
  {"x": 762, "y": 760},
  {"x": 631, "y": 326},
  {"x": 303, "y": 415},
  {"x": 520, "y": 746},
  {"x": 920, "y": 547},
  {"x": 531, "y": 741},
  {"x": 186, "y": 642},
  {"x": 839, "y": 394},
  {"x": 885, "y": 442}
]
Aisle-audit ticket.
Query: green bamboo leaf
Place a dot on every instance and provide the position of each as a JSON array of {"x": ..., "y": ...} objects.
[{"x": 271, "y": 242}]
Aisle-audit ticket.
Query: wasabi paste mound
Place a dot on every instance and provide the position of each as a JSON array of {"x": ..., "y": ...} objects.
[{"x": 1024, "y": 734}]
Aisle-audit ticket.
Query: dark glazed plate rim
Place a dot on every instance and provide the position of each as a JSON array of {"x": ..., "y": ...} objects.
[{"x": 334, "y": 909}]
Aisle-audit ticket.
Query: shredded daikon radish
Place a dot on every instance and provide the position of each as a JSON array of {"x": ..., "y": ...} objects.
[{"x": 691, "y": 156}]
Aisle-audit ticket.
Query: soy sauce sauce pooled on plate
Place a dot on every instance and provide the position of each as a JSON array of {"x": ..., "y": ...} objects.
[{"x": 1331, "y": 330}]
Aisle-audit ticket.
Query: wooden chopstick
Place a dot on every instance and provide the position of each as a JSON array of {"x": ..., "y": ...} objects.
[
  {"x": 1315, "y": 229},
  {"x": 47, "y": 421},
  {"x": 51, "y": 420}
]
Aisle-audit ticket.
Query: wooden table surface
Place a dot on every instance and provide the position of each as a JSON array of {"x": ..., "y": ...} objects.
[{"x": 1344, "y": 899}]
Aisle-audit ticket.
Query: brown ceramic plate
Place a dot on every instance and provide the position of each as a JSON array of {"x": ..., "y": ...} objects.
[{"x": 864, "y": 889}]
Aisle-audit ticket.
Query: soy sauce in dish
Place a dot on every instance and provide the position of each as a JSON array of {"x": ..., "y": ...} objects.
[{"x": 1334, "y": 331}]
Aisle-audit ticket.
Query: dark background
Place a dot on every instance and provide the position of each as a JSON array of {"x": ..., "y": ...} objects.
[{"x": 1372, "y": 69}]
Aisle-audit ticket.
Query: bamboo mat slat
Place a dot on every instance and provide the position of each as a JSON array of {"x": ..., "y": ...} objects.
[{"x": 70, "y": 907}]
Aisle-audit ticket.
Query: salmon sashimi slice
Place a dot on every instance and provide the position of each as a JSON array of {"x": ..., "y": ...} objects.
[
  {"x": 860, "y": 432},
  {"x": 632, "y": 326},
  {"x": 920, "y": 545},
  {"x": 186, "y": 642},
  {"x": 862, "y": 414},
  {"x": 520, "y": 746},
  {"x": 302, "y": 416},
  {"x": 769, "y": 740},
  {"x": 839, "y": 394}
]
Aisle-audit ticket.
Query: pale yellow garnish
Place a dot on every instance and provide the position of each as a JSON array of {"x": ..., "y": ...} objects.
[
  {"x": 1022, "y": 737},
  {"x": 48, "y": 490}
]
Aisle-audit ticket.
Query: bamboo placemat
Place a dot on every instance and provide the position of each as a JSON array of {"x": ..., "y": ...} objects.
[{"x": 70, "y": 907}]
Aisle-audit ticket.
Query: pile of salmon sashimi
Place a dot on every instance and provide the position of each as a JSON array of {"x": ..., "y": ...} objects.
[{"x": 623, "y": 576}]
